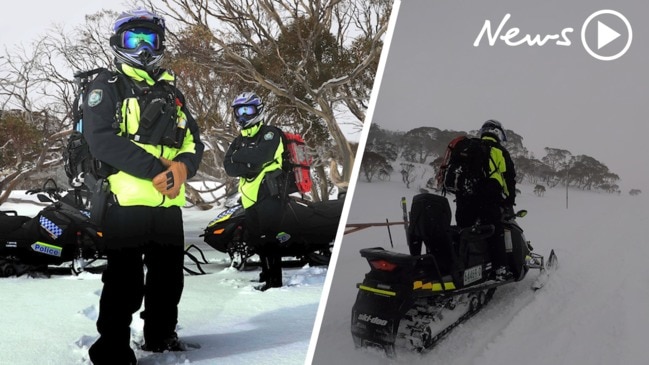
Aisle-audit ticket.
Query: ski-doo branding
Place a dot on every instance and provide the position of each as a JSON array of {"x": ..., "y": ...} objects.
[
  {"x": 371, "y": 319},
  {"x": 46, "y": 249}
]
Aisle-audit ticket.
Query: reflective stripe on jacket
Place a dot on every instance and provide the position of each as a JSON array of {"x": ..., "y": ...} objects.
[{"x": 497, "y": 165}]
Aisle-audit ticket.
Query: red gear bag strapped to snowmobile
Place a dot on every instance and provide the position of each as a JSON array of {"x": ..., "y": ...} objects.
[{"x": 298, "y": 161}]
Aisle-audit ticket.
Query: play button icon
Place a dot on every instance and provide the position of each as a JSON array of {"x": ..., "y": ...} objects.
[
  {"x": 611, "y": 26},
  {"x": 605, "y": 35}
]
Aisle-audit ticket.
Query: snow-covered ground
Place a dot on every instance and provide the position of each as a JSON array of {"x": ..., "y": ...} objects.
[
  {"x": 52, "y": 321},
  {"x": 592, "y": 311}
]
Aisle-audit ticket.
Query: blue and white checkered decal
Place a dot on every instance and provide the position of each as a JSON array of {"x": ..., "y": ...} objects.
[{"x": 50, "y": 227}]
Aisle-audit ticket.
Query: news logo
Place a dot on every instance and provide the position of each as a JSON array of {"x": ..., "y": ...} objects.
[{"x": 605, "y": 34}]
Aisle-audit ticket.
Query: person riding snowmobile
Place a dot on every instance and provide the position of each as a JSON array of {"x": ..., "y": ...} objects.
[{"x": 496, "y": 198}]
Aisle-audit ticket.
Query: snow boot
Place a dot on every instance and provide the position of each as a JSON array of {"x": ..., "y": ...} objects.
[
  {"x": 269, "y": 284},
  {"x": 171, "y": 343},
  {"x": 503, "y": 273},
  {"x": 271, "y": 273},
  {"x": 101, "y": 353}
]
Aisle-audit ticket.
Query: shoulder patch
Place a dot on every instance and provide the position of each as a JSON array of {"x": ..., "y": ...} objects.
[
  {"x": 269, "y": 135},
  {"x": 94, "y": 97}
]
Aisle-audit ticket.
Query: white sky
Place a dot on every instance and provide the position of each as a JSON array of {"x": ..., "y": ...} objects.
[
  {"x": 26, "y": 20},
  {"x": 553, "y": 96},
  {"x": 18, "y": 30}
]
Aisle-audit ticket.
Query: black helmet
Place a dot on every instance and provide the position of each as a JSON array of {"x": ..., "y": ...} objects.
[
  {"x": 138, "y": 39},
  {"x": 494, "y": 129}
]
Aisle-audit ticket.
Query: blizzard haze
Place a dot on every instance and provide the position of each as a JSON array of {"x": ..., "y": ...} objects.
[
  {"x": 591, "y": 311},
  {"x": 551, "y": 95}
]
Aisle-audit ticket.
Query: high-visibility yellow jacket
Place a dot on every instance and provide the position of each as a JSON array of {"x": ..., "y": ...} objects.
[
  {"x": 501, "y": 169},
  {"x": 112, "y": 116},
  {"x": 252, "y": 156}
]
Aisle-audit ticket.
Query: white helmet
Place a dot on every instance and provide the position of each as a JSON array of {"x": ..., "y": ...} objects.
[{"x": 248, "y": 109}]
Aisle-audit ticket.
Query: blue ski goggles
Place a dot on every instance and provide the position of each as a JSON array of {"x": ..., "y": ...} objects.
[
  {"x": 133, "y": 38},
  {"x": 245, "y": 110}
]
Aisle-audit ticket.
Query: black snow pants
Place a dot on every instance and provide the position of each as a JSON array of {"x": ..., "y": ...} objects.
[
  {"x": 273, "y": 215},
  {"x": 138, "y": 237},
  {"x": 487, "y": 211}
]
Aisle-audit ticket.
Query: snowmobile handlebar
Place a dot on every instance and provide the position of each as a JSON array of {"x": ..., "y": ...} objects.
[{"x": 510, "y": 215}]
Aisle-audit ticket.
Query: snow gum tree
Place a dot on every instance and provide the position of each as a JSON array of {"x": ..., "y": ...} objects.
[{"x": 314, "y": 62}]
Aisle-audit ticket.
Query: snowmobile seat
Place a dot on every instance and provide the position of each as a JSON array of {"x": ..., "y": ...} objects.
[
  {"x": 390, "y": 266},
  {"x": 318, "y": 220},
  {"x": 418, "y": 273},
  {"x": 10, "y": 221},
  {"x": 378, "y": 253}
]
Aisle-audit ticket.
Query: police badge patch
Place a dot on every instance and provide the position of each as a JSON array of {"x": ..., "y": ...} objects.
[
  {"x": 95, "y": 96},
  {"x": 268, "y": 136}
]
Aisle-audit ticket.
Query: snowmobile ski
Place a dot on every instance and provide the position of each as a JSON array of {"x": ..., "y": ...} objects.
[{"x": 546, "y": 270}]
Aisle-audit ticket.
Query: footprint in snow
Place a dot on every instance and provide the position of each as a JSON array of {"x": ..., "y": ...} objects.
[{"x": 90, "y": 312}]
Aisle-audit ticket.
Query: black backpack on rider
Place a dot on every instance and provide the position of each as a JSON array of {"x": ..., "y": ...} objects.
[
  {"x": 81, "y": 167},
  {"x": 86, "y": 174},
  {"x": 468, "y": 167}
]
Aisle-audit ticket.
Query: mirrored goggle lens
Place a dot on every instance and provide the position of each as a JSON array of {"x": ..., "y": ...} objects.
[
  {"x": 132, "y": 38},
  {"x": 245, "y": 110}
]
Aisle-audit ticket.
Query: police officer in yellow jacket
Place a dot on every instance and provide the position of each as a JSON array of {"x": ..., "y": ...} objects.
[
  {"x": 497, "y": 197},
  {"x": 255, "y": 156},
  {"x": 136, "y": 121}
]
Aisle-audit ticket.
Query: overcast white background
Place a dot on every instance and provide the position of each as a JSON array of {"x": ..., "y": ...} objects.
[
  {"x": 23, "y": 22},
  {"x": 551, "y": 95}
]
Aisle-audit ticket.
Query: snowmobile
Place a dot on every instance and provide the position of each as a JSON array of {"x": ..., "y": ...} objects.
[
  {"x": 411, "y": 301},
  {"x": 227, "y": 233},
  {"x": 61, "y": 232}
]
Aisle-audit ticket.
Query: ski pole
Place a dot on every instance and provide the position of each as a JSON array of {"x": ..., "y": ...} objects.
[
  {"x": 387, "y": 224},
  {"x": 404, "y": 207}
]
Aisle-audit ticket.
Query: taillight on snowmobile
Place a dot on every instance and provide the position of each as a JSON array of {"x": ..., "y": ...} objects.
[{"x": 383, "y": 265}]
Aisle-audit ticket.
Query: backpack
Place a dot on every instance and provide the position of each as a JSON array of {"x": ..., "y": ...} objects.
[
  {"x": 81, "y": 168},
  {"x": 86, "y": 174},
  {"x": 296, "y": 163},
  {"x": 468, "y": 167},
  {"x": 445, "y": 161}
]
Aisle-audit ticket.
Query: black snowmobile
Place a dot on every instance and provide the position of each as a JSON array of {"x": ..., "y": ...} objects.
[
  {"x": 59, "y": 233},
  {"x": 411, "y": 301},
  {"x": 227, "y": 233}
]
